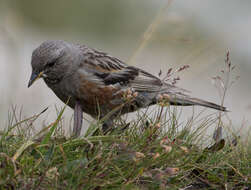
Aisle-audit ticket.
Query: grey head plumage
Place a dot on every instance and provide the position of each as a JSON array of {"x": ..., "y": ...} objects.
[{"x": 52, "y": 61}]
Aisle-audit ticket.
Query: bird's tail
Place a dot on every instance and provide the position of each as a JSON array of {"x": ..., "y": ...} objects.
[{"x": 177, "y": 97}]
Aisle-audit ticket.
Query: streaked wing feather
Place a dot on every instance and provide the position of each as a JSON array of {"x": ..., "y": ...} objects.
[
  {"x": 122, "y": 76},
  {"x": 101, "y": 61},
  {"x": 146, "y": 82},
  {"x": 112, "y": 70}
]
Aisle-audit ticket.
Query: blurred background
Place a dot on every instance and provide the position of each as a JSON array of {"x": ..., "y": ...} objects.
[{"x": 189, "y": 32}]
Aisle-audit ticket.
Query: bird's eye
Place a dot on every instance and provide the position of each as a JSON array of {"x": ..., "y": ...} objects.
[{"x": 51, "y": 64}]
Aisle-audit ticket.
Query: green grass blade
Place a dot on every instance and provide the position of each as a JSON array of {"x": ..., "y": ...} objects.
[
  {"x": 22, "y": 149},
  {"x": 53, "y": 128}
]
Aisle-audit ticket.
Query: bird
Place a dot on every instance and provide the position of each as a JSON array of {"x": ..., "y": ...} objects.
[{"x": 93, "y": 82}]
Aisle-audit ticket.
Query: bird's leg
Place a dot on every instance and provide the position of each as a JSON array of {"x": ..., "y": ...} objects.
[{"x": 78, "y": 119}]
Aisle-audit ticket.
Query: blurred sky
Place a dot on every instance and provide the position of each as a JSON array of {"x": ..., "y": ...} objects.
[{"x": 191, "y": 32}]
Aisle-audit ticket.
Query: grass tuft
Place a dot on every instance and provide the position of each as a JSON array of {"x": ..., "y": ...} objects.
[{"x": 152, "y": 153}]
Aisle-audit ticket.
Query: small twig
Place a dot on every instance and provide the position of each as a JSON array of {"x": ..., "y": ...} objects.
[
  {"x": 223, "y": 83},
  {"x": 150, "y": 30}
]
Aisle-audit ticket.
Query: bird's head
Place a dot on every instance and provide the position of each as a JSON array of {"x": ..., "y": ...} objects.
[{"x": 52, "y": 61}]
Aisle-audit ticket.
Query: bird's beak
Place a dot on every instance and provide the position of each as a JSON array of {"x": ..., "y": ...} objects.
[{"x": 34, "y": 77}]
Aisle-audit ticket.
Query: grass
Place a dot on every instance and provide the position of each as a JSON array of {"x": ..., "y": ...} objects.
[{"x": 153, "y": 153}]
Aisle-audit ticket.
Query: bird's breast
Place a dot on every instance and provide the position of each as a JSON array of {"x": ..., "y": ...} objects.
[{"x": 64, "y": 90}]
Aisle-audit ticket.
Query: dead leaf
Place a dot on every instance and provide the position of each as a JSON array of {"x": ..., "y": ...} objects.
[
  {"x": 171, "y": 171},
  {"x": 167, "y": 148},
  {"x": 185, "y": 149},
  {"x": 156, "y": 155}
]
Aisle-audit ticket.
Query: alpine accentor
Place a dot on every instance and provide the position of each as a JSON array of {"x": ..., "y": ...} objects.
[{"x": 97, "y": 83}]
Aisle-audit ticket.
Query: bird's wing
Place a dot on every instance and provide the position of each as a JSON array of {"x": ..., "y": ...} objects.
[
  {"x": 132, "y": 77},
  {"x": 101, "y": 61},
  {"x": 111, "y": 71}
]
